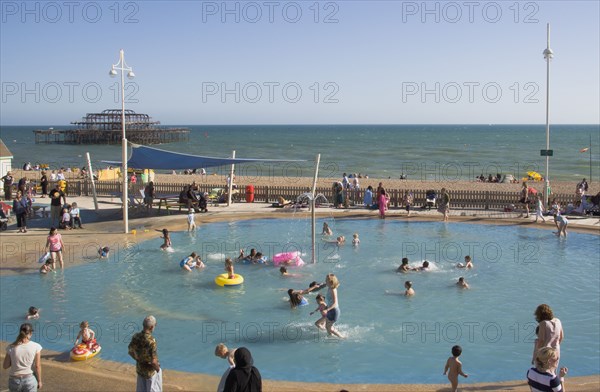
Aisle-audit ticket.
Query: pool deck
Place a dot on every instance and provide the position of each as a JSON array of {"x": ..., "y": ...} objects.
[{"x": 20, "y": 252}]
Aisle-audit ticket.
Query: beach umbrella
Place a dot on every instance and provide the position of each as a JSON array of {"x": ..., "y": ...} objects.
[{"x": 535, "y": 175}]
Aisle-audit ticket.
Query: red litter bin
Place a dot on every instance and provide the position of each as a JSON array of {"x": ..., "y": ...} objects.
[{"x": 249, "y": 193}]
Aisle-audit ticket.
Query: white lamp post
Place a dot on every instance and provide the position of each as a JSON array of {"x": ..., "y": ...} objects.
[
  {"x": 548, "y": 55},
  {"x": 122, "y": 66}
]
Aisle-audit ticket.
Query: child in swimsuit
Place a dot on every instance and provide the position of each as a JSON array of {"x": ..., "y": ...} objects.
[
  {"x": 326, "y": 229},
  {"x": 167, "y": 238},
  {"x": 462, "y": 283},
  {"x": 355, "y": 239},
  {"x": 103, "y": 252},
  {"x": 561, "y": 223},
  {"x": 296, "y": 298},
  {"x": 468, "y": 263},
  {"x": 404, "y": 267},
  {"x": 424, "y": 267},
  {"x": 409, "y": 290},
  {"x": 320, "y": 323},
  {"x": 87, "y": 335},
  {"x": 47, "y": 267},
  {"x": 229, "y": 268},
  {"x": 33, "y": 313}
]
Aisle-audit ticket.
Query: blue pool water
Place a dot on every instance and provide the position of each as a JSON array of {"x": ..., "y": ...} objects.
[{"x": 390, "y": 339}]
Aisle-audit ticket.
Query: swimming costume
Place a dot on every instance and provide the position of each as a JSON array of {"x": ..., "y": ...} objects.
[{"x": 333, "y": 314}]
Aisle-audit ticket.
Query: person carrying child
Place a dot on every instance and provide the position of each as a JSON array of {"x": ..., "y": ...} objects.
[{"x": 191, "y": 262}]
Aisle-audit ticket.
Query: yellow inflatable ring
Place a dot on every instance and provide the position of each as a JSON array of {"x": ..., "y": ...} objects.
[{"x": 223, "y": 280}]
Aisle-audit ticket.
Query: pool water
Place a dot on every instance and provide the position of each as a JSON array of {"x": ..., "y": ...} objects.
[{"x": 389, "y": 338}]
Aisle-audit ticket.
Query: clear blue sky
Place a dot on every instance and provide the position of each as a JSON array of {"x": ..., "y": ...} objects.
[{"x": 373, "y": 62}]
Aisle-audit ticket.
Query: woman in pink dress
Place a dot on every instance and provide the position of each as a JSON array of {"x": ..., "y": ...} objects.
[
  {"x": 550, "y": 331},
  {"x": 382, "y": 202}
]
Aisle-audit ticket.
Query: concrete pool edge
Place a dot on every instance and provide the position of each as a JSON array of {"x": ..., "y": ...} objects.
[{"x": 61, "y": 374}]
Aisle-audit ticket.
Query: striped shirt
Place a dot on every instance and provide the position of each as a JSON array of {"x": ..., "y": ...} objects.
[{"x": 543, "y": 382}]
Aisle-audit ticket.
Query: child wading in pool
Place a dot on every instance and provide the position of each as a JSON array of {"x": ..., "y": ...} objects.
[
  {"x": 46, "y": 267},
  {"x": 409, "y": 290},
  {"x": 355, "y": 239},
  {"x": 104, "y": 252},
  {"x": 326, "y": 229},
  {"x": 33, "y": 313},
  {"x": 454, "y": 367},
  {"x": 468, "y": 263},
  {"x": 462, "y": 283},
  {"x": 190, "y": 220},
  {"x": 167, "y": 237},
  {"x": 320, "y": 323}
]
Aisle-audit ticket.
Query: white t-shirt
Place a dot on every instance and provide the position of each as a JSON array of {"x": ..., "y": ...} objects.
[
  {"x": 191, "y": 218},
  {"x": 22, "y": 357}
]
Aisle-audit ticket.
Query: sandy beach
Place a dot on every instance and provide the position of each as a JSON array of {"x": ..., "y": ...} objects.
[{"x": 104, "y": 226}]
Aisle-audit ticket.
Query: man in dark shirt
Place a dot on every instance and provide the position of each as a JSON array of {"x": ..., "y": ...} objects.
[
  {"x": 56, "y": 195},
  {"x": 8, "y": 182}
]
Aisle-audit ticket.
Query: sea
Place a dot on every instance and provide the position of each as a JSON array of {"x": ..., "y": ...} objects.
[{"x": 421, "y": 152}]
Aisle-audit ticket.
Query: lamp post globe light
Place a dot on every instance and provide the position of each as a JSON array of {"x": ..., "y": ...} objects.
[
  {"x": 548, "y": 55},
  {"x": 122, "y": 66}
]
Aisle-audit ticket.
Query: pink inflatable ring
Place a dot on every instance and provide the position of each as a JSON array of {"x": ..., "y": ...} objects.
[{"x": 288, "y": 258}]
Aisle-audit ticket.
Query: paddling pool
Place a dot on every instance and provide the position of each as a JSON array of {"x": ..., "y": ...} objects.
[{"x": 389, "y": 338}]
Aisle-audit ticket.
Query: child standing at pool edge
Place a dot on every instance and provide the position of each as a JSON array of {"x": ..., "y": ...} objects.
[{"x": 454, "y": 367}]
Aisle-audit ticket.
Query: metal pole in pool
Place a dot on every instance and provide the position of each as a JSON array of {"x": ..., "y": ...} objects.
[
  {"x": 548, "y": 54},
  {"x": 313, "y": 212},
  {"x": 230, "y": 185},
  {"x": 91, "y": 174}
]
